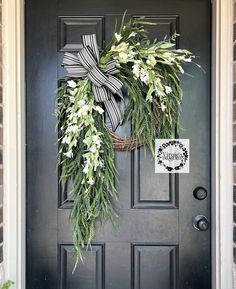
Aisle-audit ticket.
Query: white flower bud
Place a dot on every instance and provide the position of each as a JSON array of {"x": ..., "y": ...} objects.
[
  {"x": 118, "y": 37},
  {"x": 71, "y": 83}
]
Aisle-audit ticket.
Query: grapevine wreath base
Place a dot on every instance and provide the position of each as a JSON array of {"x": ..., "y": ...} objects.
[{"x": 123, "y": 144}]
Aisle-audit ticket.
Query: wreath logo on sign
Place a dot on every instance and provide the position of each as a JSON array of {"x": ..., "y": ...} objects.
[
  {"x": 181, "y": 157},
  {"x": 147, "y": 72}
]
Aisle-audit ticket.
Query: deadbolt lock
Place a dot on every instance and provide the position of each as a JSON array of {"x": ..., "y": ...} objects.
[{"x": 200, "y": 193}]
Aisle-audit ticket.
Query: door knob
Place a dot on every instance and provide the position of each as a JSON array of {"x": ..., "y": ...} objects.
[{"x": 201, "y": 223}]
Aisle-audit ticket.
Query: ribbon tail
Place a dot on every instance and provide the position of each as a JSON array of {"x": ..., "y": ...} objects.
[
  {"x": 100, "y": 94},
  {"x": 122, "y": 103},
  {"x": 114, "y": 112}
]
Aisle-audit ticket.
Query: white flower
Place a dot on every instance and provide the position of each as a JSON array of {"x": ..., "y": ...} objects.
[
  {"x": 66, "y": 139},
  {"x": 85, "y": 141},
  {"x": 171, "y": 59},
  {"x": 73, "y": 91},
  {"x": 72, "y": 99},
  {"x": 143, "y": 76},
  {"x": 99, "y": 109},
  {"x": 131, "y": 54},
  {"x": 101, "y": 163},
  {"x": 168, "y": 89},
  {"x": 85, "y": 170},
  {"x": 96, "y": 139},
  {"x": 93, "y": 149},
  {"x": 163, "y": 107},
  {"x": 81, "y": 102},
  {"x": 83, "y": 110},
  {"x": 72, "y": 128},
  {"x": 113, "y": 48},
  {"x": 167, "y": 54},
  {"x": 137, "y": 62},
  {"x": 132, "y": 34},
  {"x": 71, "y": 83},
  {"x": 69, "y": 154},
  {"x": 85, "y": 123},
  {"x": 160, "y": 93},
  {"x": 123, "y": 57},
  {"x": 90, "y": 181},
  {"x": 121, "y": 47},
  {"x": 151, "y": 60},
  {"x": 118, "y": 37},
  {"x": 136, "y": 70}
]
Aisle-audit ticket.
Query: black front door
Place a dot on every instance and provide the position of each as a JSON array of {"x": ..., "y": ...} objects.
[{"x": 156, "y": 245}]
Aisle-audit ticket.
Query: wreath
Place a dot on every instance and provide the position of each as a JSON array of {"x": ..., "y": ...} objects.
[{"x": 147, "y": 73}]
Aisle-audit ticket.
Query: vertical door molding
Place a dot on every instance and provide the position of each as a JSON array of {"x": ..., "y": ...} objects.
[
  {"x": 14, "y": 141},
  {"x": 222, "y": 200}
]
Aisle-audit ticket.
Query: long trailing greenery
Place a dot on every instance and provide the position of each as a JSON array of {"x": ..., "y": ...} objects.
[
  {"x": 150, "y": 71},
  {"x": 86, "y": 156}
]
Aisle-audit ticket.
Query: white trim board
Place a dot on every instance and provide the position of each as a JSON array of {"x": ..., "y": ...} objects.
[
  {"x": 222, "y": 180},
  {"x": 14, "y": 143}
]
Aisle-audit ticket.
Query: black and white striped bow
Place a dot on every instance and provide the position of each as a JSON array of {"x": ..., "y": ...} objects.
[{"x": 105, "y": 84}]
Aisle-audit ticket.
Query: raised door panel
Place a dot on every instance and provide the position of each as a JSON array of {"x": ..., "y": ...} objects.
[
  {"x": 155, "y": 266},
  {"x": 89, "y": 274}
]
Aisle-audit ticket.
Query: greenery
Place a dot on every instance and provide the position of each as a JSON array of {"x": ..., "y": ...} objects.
[
  {"x": 150, "y": 72},
  {"x": 7, "y": 285},
  {"x": 87, "y": 158}
]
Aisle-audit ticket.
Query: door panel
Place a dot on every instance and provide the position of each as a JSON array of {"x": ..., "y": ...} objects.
[
  {"x": 155, "y": 244},
  {"x": 90, "y": 275}
]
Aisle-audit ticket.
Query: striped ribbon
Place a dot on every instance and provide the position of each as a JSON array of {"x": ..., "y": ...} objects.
[{"x": 105, "y": 84}]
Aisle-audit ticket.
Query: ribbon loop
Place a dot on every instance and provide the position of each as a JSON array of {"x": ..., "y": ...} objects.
[
  {"x": 105, "y": 84},
  {"x": 91, "y": 41}
]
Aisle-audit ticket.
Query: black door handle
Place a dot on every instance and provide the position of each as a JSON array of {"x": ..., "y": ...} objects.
[{"x": 201, "y": 223}]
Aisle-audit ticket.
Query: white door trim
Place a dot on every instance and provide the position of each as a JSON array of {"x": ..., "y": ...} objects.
[
  {"x": 222, "y": 181},
  {"x": 14, "y": 143}
]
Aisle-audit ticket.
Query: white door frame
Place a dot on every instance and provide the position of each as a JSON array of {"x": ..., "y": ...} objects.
[
  {"x": 14, "y": 143},
  {"x": 222, "y": 180}
]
